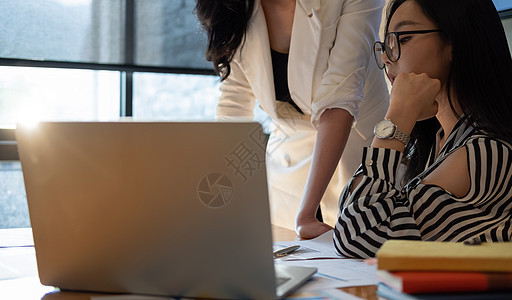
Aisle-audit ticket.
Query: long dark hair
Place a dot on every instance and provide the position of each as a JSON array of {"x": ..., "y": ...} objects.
[
  {"x": 480, "y": 75},
  {"x": 225, "y": 22}
]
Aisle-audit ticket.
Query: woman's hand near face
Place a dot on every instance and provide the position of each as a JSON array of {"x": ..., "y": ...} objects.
[{"x": 413, "y": 98}]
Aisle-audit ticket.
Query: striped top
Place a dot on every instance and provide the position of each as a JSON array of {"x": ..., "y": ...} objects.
[{"x": 377, "y": 211}]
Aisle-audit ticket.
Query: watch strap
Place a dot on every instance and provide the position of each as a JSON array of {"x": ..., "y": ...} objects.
[{"x": 400, "y": 135}]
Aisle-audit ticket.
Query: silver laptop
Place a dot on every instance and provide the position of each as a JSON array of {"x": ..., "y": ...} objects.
[{"x": 156, "y": 208}]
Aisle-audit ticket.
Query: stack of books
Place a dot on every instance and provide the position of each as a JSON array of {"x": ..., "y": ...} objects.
[{"x": 442, "y": 270}]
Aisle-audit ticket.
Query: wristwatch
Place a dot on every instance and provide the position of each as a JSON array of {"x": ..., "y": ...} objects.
[{"x": 385, "y": 129}]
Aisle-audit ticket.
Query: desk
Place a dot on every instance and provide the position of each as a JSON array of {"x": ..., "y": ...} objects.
[
  {"x": 364, "y": 292},
  {"x": 28, "y": 286}
]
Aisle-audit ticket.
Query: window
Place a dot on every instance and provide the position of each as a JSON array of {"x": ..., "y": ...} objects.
[
  {"x": 174, "y": 96},
  {"x": 159, "y": 33},
  {"x": 40, "y": 94},
  {"x": 95, "y": 60},
  {"x": 502, "y": 5}
]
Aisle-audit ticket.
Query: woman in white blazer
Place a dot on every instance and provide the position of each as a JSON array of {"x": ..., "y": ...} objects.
[{"x": 337, "y": 92}]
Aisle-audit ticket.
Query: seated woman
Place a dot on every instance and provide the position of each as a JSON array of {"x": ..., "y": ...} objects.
[{"x": 448, "y": 59}]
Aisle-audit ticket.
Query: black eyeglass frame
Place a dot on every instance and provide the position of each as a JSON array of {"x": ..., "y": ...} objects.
[{"x": 397, "y": 35}]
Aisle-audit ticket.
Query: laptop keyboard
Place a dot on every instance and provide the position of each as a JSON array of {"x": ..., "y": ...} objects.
[{"x": 281, "y": 280}]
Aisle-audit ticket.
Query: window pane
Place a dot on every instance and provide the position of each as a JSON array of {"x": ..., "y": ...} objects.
[
  {"x": 63, "y": 30},
  {"x": 13, "y": 201},
  {"x": 41, "y": 94},
  {"x": 181, "y": 97},
  {"x": 174, "y": 97},
  {"x": 169, "y": 34},
  {"x": 502, "y": 4}
]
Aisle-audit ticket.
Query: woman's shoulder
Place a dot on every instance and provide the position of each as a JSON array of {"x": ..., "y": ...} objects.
[{"x": 487, "y": 142}]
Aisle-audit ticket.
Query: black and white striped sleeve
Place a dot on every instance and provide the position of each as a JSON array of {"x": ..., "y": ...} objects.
[{"x": 375, "y": 211}]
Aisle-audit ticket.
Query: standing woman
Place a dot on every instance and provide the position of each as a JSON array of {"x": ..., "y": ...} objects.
[
  {"x": 449, "y": 59},
  {"x": 309, "y": 65}
]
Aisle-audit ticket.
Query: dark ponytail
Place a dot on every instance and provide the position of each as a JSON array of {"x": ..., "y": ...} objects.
[{"x": 225, "y": 22}]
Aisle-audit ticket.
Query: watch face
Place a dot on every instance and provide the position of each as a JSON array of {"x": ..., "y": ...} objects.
[{"x": 384, "y": 129}]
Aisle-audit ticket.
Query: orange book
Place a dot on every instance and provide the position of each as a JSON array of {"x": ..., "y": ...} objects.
[
  {"x": 414, "y": 282},
  {"x": 402, "y": 255}
]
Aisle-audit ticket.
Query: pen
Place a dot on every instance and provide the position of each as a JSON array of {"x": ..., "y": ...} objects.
[{"x": 285, "y": 251}]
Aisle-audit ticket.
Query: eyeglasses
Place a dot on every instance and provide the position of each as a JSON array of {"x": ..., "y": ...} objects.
[{"x": 391, "y": 46}]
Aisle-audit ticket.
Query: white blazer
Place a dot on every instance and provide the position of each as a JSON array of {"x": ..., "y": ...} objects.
[{"x": 330, "y": 65}]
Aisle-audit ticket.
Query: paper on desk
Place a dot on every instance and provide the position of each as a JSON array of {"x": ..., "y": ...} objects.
[
  {"x": 320, "y": 247},
  {"x": 23, "y": 288},
  {"x": 16, "y": 237},
  {"x": 17, "y": 263},
  {"x": 345, "y": 272}
]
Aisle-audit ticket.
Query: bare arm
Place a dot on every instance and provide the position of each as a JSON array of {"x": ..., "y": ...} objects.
[{"x": 333, "y": 131}]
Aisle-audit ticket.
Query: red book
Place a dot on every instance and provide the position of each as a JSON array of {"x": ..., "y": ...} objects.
[{"x": 414, "y": 282}]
